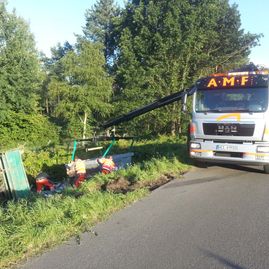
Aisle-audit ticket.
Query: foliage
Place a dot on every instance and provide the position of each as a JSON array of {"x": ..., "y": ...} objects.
[
  {"x": 51, "y": 161},
  {"x": 54, "y": 69},
  {"x": 20, "y": 81},
  {"x": 28, "y": 129},
  {"x": 83, "y": 97},
  {"x": 99, "y": 26},
  {"x": 20, "y": 72}
]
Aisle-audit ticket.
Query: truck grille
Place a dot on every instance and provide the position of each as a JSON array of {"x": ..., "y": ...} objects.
[
  {"x": 229, "y": 129},
  {"x": 228, "y": 154}
]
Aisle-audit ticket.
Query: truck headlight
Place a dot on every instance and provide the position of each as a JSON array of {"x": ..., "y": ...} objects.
[
  {"x": 195, "y": 145},
  {"x": 263, "y": 149}
]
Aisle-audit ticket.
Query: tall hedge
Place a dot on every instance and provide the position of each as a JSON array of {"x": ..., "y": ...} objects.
[{"x": 26, "y": 129}]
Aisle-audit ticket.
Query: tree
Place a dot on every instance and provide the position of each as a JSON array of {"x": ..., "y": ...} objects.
[
  {"x": 83, "y": 97},
  {"x": 20, "y": 73},
  {"x": 99, "y": 24},
  {"x": 54, "y": 70},
  {"x": 164, "y": 46}
]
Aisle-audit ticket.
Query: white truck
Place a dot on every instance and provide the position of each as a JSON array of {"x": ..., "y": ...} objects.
[{"x": 230, "y": 119}]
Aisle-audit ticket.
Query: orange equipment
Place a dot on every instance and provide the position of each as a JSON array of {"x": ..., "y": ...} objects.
[{"x": 107, "y": 165}]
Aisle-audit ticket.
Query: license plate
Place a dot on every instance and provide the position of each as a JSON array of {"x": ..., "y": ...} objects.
[{"x": 226, "y": 148}]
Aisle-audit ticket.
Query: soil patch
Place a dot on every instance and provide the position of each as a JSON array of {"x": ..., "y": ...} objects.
[{"x": 121, "y": 185}]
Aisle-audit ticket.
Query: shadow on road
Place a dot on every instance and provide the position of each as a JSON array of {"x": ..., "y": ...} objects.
[
  {"x": 200, "y": 180},
  {"x": 243, "y": 168},
  {"x": 194, "y": 181},
  {"x": 221, "y": 259},
  {"x": 237, "y": 171}
]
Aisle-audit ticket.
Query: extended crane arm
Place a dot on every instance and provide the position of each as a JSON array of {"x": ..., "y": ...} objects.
[{"x": 156, "y": 104}]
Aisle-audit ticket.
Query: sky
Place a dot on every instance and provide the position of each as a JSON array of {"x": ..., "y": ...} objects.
[{"x": 57, "y": 21}]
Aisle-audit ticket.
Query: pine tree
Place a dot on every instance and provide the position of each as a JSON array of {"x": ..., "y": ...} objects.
[{"x": 99, "y": 24}]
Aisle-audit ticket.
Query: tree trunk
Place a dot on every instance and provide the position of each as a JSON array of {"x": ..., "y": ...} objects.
[
  {"x": 84, "y": 126},
  {"x": 175, "y": 120},
  {"x": 47, "y": 106},
  {"x": 173, "y": 128}
]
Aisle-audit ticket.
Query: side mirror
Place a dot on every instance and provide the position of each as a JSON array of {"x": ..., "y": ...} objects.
[{"x": 184, "y": 103}]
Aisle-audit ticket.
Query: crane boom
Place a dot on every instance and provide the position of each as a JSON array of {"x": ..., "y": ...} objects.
[{"x": 147, "y": 108}]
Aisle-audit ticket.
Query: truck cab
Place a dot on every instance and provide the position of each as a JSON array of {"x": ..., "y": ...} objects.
[{"x": 230, "y": 119}]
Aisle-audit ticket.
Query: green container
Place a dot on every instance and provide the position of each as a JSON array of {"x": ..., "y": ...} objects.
[{"x": 13, "y": 174}]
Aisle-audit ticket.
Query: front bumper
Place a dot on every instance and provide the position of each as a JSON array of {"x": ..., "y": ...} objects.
[{"x": 245, "y": 153}]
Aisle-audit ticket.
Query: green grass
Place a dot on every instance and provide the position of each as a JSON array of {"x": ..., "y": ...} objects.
[{"x": 30, "y": 226}]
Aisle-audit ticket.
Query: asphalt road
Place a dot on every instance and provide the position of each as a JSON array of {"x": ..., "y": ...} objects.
[{"x": 215, "y": 218}]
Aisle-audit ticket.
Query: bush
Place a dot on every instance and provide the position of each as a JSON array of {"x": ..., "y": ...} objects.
[{"x": 28, "y": 129}]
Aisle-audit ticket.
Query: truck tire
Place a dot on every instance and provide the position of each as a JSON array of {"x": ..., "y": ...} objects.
[
  {"x": 200, "y": 164},
  {"x": 266, "y": 169}
]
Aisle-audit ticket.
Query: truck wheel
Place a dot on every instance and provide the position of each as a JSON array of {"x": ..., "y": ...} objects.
[
  {"x": 200, "y": 164},
  {"x": 266, "y": 169}
]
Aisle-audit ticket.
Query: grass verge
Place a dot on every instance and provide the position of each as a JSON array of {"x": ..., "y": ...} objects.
[{"x": 30, "y": 226}]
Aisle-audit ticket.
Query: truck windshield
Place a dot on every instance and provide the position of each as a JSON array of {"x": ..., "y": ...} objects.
[{"x": 232, "y": 100}]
